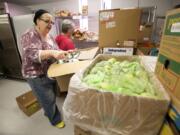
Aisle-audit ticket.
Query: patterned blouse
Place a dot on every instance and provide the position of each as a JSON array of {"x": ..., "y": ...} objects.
[{"x": 32, "y": 44}]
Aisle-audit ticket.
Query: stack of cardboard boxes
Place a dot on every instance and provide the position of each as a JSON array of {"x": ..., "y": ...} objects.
[{"x": 168, "y": 68}]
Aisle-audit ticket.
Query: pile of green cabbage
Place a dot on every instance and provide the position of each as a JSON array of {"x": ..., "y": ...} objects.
[{"x": 128, "y": 78}]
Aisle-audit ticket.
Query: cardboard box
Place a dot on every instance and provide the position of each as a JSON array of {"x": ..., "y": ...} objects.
[
  {"x": 168, "y": 65},
  {"x": 64, "y": 72},
  {"x": 117, "y": 26},
  {"x": 168, "y": 129},
  {"x": 28, "y": 103},
  {"x": 114, "y": 113},
  {"x": 174, "y": 115},
  {"x": 171, "y": 125},
  {"x": 144, "y": 35}
]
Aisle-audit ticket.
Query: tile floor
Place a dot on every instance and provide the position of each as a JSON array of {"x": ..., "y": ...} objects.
[{"x": 14, "y": 122}]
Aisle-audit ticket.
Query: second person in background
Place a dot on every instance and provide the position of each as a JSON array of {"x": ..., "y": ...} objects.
[{"x": 64, "y": 40}]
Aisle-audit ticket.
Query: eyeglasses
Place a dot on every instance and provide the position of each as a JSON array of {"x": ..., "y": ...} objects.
[{"x": 47, "y": 21}]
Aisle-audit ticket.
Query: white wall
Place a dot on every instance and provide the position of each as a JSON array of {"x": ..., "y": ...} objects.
[
  {"x": 71, "y": 5},
  {"x": 15, "y": 9},
  {"x": 93, "y": 8},
  {"x": 162, "y": 5},
  {"x": 124, "y": 3},
  {"x": 95, "y": 5}
]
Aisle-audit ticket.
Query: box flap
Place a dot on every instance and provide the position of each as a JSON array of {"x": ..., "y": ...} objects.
[
  {"x": 66, "y": 68},
  {"x": 86, "y": 54}
]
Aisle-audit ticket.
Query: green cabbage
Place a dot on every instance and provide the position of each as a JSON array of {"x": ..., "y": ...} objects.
[{"x": 128, "y": 78}]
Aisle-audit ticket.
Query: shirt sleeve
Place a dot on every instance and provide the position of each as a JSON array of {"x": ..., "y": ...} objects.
[{"x": 30, "y": 48}]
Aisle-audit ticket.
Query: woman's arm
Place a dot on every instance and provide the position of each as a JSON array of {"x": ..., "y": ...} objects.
[
  {"x": 46, "y": 54},
  {"x": 32, "y": 50}
]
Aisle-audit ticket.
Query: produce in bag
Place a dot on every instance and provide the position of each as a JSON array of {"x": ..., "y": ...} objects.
[{"x": 125, "y": 77}]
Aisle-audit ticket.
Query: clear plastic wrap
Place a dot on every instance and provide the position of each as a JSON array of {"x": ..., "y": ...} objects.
[{"x": 110, "y": 113}]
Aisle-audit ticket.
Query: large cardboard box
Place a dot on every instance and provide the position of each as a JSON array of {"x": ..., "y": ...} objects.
[
  {"x": 117, "y": 26},
  {"x": 28, "y": 103},
  {"x": 112, "y": 113},
  {"x": 168, "y": 65}
]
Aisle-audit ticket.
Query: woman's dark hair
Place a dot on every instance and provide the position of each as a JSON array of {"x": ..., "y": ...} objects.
[{"x": 38, "y": 14}]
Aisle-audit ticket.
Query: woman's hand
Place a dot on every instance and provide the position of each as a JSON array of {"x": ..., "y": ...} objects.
[
  {"x": 72, "y": 51},
  {"x": 46, "y": 54},
  {"x": 59, "y": 54}
]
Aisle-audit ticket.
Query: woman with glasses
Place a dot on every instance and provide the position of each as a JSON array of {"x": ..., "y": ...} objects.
[{"x": 39, "y": 51}]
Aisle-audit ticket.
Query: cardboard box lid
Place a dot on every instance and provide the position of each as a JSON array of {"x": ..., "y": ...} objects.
[
  {"x": 117, "y": 26},
  {"x": 56, "y": 70},
  {"x": 87, "y": 54}
]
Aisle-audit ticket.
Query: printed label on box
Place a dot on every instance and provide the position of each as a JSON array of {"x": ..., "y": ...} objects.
[
  {"x": 173, "y": 25},
  {"x": 118, "y": 51},
  {"x": 106, "y": 16},
  {"x": 110, "y": 24},
  {"x": 129, "y": 43}
]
